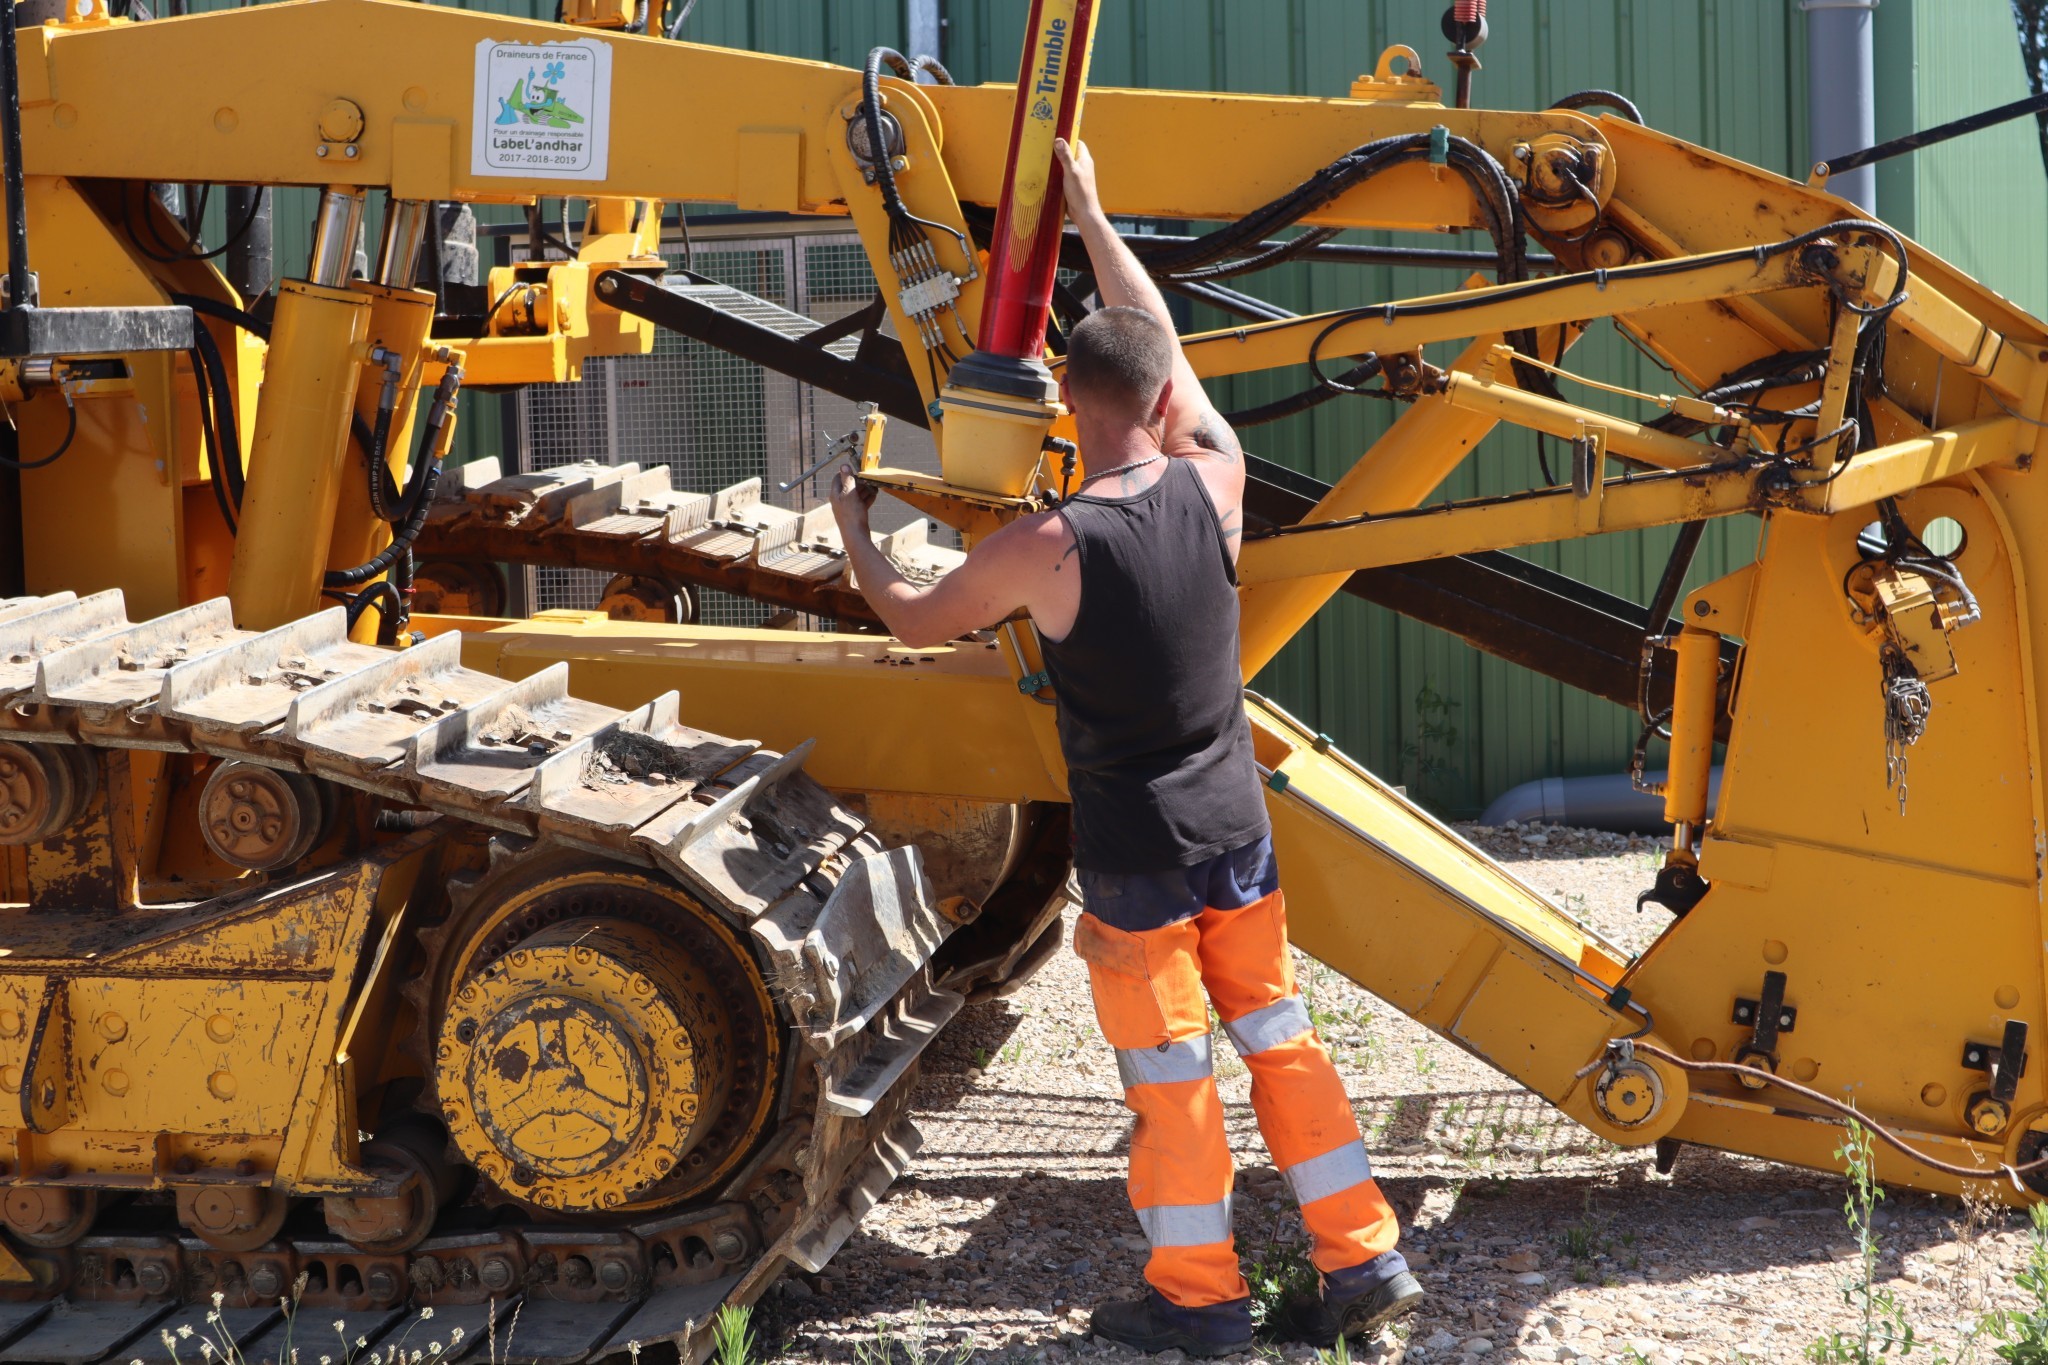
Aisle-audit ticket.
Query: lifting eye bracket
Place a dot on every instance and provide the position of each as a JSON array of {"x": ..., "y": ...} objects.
[{"x": 2005, "y": 1063}]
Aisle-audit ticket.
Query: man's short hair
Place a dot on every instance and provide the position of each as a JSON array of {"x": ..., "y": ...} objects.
[{"x": 1121, "y": 358}]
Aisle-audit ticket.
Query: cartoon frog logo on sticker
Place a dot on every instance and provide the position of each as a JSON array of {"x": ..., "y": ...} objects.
[{"x": 538, "y": 100}]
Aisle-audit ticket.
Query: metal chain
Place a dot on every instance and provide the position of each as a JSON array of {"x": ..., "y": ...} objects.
[
  {"x": 1906, "y": 706},
  {"x": 1122, "y": 468}
]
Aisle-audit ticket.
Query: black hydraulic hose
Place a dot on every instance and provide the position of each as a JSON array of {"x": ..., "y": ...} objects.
[
  {"x": 1265, "y": 259},
  {"x": 932, "y": 67},
  {"x": 675, "y": 26},
  {"x": 19, "y": 289},
  {"x": 398, "y": 500},
  {"x": 1348, "y": 382},
  {"x": 216, "y": 474},
  {"x": 402, "y": 538},
  {"x": 1673, "y": 581},
  {"x": 871, "y": 118},
  {"x": 70, "y": 431},
  {"x": 1488, "y": 180},
  {"x": 210, "y": 371},
  {"x": 1228, "y": 300},
  {"x": 904, "y": 234},
  {"x": 1600, "y": 99},
  {"x": 226, "y": 312},
  {"x": 1325, "y": 185},
  {"x": 429, "y": 475},
  {"x": 383, "y": 490},
  {"x": 376, "y": 595},
  {"x": 190, "y": 251}
]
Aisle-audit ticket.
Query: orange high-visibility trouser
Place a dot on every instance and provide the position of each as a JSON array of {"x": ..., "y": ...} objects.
[{"x": 1148, "y": 988}]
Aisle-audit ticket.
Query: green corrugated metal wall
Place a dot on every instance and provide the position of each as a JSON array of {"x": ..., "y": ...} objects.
[
  {"x": 1729, "y": 74},
  {"x": 1360, "y": 671},
  {"x": 1981, "y": 201}
]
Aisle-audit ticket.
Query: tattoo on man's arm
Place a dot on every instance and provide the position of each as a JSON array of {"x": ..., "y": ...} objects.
[
  {"x": 1072, "y": 550},
  {"x": 1232, "y": 523},
  {"x": 1213, "y": 434}
]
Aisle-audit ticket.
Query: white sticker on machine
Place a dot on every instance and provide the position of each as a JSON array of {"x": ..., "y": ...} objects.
[{"x": 543, "y": 110}]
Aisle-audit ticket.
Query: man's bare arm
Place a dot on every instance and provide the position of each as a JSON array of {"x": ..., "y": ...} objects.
[
  {"x": 1125, "y": 284},
  {"x": 988, "y": 588}
]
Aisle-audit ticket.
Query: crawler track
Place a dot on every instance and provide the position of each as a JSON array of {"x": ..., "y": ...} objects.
[
  {"x": 843, "y": 929},
  {"x": 621, "y": 519}
]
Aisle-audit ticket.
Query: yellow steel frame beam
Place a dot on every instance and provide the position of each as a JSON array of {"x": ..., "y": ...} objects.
[
  {"x": 1531, "y": 519},
  {"x": 767, "y": 144},
  {"x": 1410, "y": 324},
  {"x": 1629, "y": 504},
  {"x": 945, "y": 721}
]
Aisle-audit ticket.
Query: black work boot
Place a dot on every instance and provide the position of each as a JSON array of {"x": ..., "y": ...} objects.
[
  {"x": 1355, "y": 1309},
  {"x": 1152, "y": 1324}
]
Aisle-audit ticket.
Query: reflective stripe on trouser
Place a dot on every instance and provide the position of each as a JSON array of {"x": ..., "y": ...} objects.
[
  {"x": 1304, "y": 1113},
  {"x": 1149, "y": 1001}
]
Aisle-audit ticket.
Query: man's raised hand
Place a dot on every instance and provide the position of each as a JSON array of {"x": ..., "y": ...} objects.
[
  {"x": 1079, "y": 177},
  {"x": 850, "y": 499}
]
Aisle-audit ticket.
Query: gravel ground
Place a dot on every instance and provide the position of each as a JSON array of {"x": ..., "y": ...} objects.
[{"x": 1535, "y": 1240}]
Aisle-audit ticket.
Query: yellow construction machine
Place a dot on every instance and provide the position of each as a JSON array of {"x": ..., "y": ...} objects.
[{"x": 375, "y": 959}]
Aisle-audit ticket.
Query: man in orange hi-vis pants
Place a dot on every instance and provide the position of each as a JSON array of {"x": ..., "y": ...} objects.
[{"x": 1132, "y": 585}]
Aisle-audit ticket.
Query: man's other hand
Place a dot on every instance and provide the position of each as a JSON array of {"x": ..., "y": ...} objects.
[
  {"x": 850, "y": 500},
  {"x": 1079, "y": 179}
]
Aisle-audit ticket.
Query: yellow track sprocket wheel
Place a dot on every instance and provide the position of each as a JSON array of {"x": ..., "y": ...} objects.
[{"x": 602, "y": 1043}]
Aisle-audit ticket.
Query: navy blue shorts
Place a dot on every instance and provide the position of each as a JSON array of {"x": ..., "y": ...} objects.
[{"x": 1137, "y": 901}]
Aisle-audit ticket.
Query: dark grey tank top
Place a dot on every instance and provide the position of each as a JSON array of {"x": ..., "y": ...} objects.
[{"x": 1151, "y": 711}]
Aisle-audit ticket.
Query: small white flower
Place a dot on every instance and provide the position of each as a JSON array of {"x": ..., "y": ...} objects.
[
  {"x": 433, "y": 1348},
  {"x": 361, "y": 1342},
  {"x": 455, "y": 1336},
  {"x": 340, "y": 1328},
  {"x": 214, "y": 1316},
  {"x": 418, "y": 1355},
  {"x": 427, "y": 1314},
  {"x": 168, "y": 1339},
  {"x": 206, "y": 1348},
  {"x": 219, "y": 1298},
  {"x": 184, "y": 1330},
  {"x": 326, "y": 1360}
]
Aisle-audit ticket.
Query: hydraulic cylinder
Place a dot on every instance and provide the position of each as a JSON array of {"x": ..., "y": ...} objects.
[
  {"x": 1694, "y": 702},
  {"x": 1000, "y": 401},
  {"x": 296, "y": 455}
]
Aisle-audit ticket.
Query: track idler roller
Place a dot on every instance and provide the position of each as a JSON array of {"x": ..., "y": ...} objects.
[
  {"x": 43, "y": 789},
  {"x": 412, "y": 1151},
  {"x": 632, "y": 597},
  {"x": 232, "y": 1217},
  {"x": 580, "y": 1069},
  {"x": 259, "y": 818},
  {"x": 49, "y": 1215}
]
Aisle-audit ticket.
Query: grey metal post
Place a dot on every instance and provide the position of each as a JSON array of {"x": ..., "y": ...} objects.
[
  {"x": 1841, "y": 90},
  {"x": 922, "y": 28}
]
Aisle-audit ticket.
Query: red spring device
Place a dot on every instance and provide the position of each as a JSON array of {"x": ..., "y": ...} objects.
[
  {"x": 1470, "y": 11},
  {"x": 1023, "y": 257}
]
